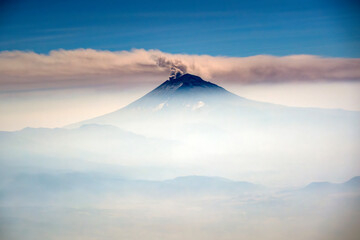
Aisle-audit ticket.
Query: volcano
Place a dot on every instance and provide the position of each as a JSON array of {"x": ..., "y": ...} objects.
[
  {"x": 185, "y": 99},
  {"x": 187, "y": 103}
]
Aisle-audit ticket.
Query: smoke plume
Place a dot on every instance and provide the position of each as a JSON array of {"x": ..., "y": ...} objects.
[{"x": 176, "y": 67}]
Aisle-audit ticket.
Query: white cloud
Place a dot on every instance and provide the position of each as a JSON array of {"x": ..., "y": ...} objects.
[{"x": 21, "y": 70}]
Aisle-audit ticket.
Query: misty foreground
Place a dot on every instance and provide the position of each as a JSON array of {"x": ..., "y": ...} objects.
[{"x": 98, "y": 206}]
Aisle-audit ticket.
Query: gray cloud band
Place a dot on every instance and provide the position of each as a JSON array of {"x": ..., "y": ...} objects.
[{"x": 87, "y": 67}]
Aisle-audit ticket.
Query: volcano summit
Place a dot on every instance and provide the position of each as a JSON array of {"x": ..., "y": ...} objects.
[{"x": 185, "y": 90}]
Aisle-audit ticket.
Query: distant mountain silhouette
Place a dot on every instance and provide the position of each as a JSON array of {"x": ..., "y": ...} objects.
[
  {"x": 352, "y": 185},
  {"x": 44, "y": 184}
]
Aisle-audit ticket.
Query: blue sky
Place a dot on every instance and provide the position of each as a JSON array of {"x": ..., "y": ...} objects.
[{"x": 231, "y": 28}]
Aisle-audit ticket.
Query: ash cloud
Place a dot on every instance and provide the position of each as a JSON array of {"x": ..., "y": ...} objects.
[{"x": 24, "y": 71}]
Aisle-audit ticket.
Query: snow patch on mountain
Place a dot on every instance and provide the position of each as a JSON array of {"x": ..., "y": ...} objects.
[
  {"x": 198, "y": 105},
  {"x": 159, "y": 107}
]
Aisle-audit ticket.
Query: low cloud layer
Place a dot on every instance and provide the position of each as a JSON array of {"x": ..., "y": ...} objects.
[{"x": 21, "y": 70}]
